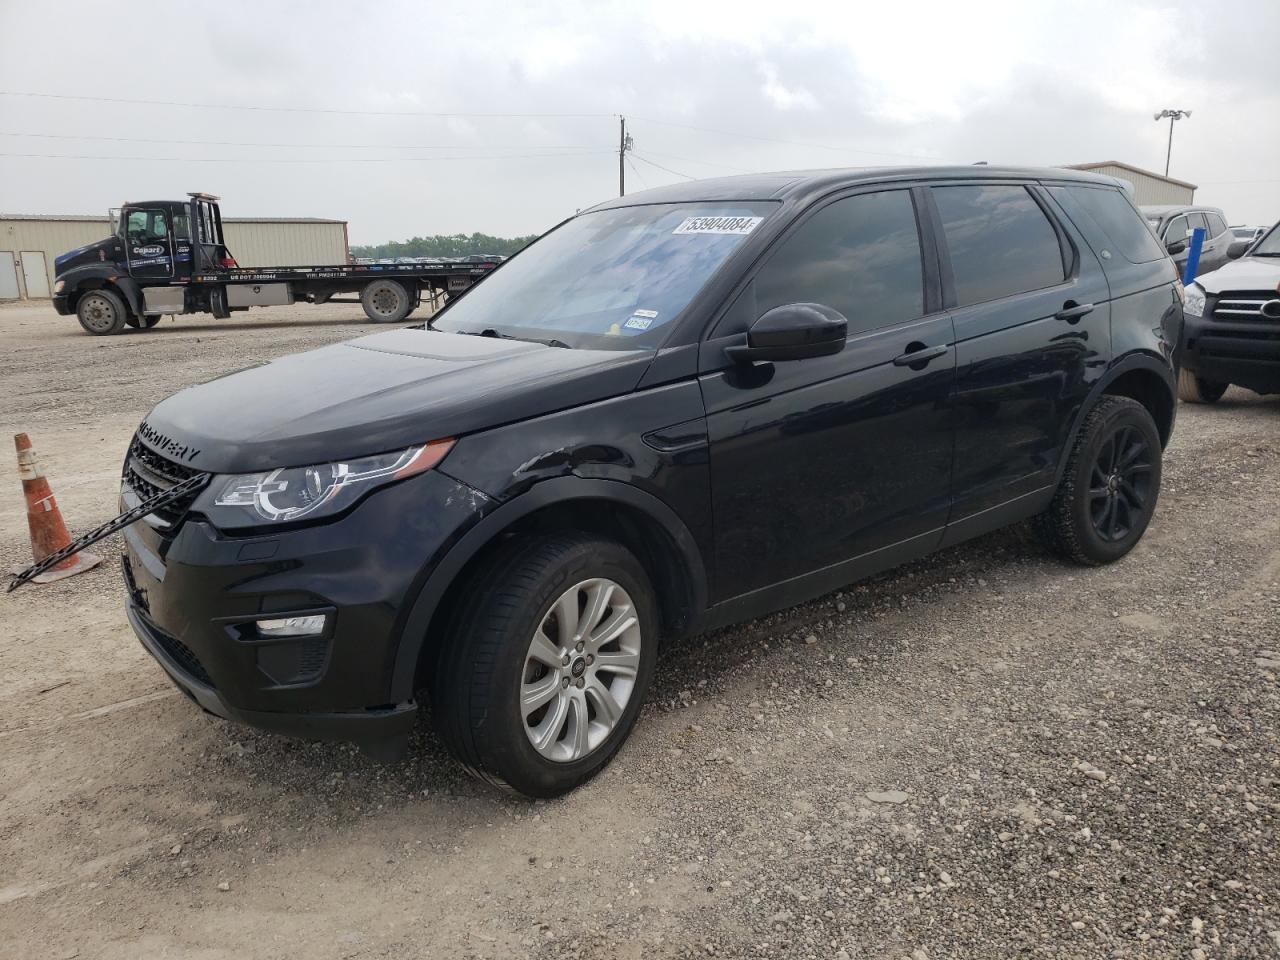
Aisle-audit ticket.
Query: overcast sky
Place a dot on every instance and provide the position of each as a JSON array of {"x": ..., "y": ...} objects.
[{"x": 709, "y": 89}]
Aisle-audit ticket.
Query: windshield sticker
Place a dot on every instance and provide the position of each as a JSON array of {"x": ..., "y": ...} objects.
[
  {"x": 638, "y": 323},
  {"x": 644, "y": 313},
  {"x": 720, "y": 225}
]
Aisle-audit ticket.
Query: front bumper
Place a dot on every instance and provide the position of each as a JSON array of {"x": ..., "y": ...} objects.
[
  {"x": 62, "y": 305},
  {"x": 1243, "y": 353},
  {"x": 195, "y": 592}
]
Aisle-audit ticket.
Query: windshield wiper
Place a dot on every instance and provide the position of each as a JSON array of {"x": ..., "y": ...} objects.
[{"x": 490, "y": 332}]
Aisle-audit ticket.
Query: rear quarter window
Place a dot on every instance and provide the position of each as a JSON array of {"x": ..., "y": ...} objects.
[{"x": 1113, "y": 218}]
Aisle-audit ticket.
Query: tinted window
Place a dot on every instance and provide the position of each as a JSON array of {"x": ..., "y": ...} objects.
[
  {"x": 1001, "y": 242},
  {"x": 1114, "y": 217},
  {"x": 859, "y": 255}
]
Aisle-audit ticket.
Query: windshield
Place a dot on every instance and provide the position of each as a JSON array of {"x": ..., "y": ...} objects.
[
  {"x": 1268, "y": 246},
  {"x": 608, "y": 279}
]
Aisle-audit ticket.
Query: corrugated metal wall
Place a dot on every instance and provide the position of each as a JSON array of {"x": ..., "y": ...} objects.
[
  {"x": 254, "y": 243},
  {"x": 1148, "y": 191},
  {"x": 271, "y": 244}
]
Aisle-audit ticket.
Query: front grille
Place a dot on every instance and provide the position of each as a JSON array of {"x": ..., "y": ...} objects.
[
  {"x": 1243, "y": 305},
  {"x": 181, "y": 654},
  {"x": 147, "y": 474}
]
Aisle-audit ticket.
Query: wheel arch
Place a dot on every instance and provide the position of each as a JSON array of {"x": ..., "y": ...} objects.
[
  {"x": 82, "y": 281},
  {"x": 1144, "y": 377},
  {"x": 638, "y": 520}
]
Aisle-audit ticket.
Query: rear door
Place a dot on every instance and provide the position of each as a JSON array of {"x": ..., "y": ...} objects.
[
  {"x": 818, "y": 462},
  {"x": 1031, "y": 313},
  {"x": 148, "y": 243}
]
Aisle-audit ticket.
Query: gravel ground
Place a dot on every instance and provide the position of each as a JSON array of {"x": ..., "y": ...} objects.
[{"x": 984, "y": 754}]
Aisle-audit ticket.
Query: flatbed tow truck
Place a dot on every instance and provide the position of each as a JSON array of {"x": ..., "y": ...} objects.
[{"x": 169, "y": 257}]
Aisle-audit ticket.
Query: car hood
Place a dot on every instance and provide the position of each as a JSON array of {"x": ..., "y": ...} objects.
[
  {"x": 1247, "y": 273},
  {"x": 377, "y": 394}
]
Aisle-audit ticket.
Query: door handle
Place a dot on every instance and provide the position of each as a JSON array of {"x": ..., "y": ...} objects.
[
  {"x": 920, "y": 355},
  {"x": 1072, "y": 311}
]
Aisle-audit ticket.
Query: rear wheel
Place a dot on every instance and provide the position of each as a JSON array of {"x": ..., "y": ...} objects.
[
  {"x": 101, "y": 312},
  {"x": 1195, "y": 389},
  {"x": 386, "y": 301},
  {"x": 1110, "y": 487},
  {"x": 547, "y": 662}
]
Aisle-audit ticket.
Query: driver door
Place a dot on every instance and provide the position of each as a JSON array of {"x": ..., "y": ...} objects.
[
  {"x": 148, "y": 243},
  {"x": 840, "y": 465}
]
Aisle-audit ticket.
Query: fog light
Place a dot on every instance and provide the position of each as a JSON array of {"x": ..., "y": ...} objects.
[{"x": 292, "y": 626}]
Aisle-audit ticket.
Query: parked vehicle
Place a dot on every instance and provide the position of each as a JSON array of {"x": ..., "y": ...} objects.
[
  {"x": 169, "y": 257},
  {"x": 1233, "y": 326},
  {"x": 1248, "y": 234},
  {"x": 1173, "y": 225},
  {"x": 676, "y": 410}
]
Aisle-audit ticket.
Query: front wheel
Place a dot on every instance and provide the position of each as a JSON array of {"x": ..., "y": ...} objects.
[
  {"x": 101, "y": 312},
  {"x": 1110, "y": 487},
  {"x": 386, "y": 301},
  {"x": 547, "y": 660},
  {"x": 1195, "y": 389}
]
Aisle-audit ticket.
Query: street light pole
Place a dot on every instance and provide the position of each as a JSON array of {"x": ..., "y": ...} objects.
[{"x": 1172, "y": 115}]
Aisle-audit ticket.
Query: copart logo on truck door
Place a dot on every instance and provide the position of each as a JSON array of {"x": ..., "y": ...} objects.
[{"x": 148, "y": 251}]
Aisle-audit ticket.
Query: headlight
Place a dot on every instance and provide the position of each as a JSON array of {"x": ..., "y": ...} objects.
[
  {"x": 59, "y": 286},
  {"x": 292, "y": 493},
  {"x": 1194, "y": 302}
]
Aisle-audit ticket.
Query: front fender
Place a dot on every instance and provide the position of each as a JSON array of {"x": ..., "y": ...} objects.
[
  {"x": 93, "y": 276},
  {"x": 413, "y": 630}
]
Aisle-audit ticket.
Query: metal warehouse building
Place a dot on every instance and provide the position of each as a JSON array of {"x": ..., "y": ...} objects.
[
  {"x": 1148, "y": 188},
  {"x": 29, "y": 244}
]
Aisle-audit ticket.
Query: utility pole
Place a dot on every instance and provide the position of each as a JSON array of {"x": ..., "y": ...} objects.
[
  {"x": 1172, "y": 115},
  {"x": 624, "y": 144}
]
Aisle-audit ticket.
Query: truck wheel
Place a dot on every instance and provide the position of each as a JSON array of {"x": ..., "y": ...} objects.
[
  {"x": 546, "y": 662},
  {"x": 385, "y": 301},
  {"x": 1110, "y": 487},
  {"x": 1195, "y": 389},
  {"x": 102, "y": 312}
]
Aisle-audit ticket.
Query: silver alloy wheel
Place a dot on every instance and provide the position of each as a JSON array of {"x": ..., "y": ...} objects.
[
  {"x": 97, "y": 312},
  {"x": 580, "y": 670}
]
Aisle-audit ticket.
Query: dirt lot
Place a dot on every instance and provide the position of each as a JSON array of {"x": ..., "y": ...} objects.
[{"x": 986, "y": 754}]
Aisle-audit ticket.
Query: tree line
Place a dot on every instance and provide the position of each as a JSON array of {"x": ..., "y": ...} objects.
[{"x": 457, "y": 245}]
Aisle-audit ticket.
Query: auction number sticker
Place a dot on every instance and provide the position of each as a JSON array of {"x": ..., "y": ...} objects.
[{"x": 720, "y": 225}]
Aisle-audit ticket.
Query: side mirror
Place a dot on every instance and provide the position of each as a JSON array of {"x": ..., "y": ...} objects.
[
  {"x": 1176, "y": 247},
  {"x": 1237, "y": 249},
  {"x": 793, "y": 331}
]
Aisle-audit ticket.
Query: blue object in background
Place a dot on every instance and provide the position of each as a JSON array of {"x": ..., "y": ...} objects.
[{"x": 1193, "y": 255}]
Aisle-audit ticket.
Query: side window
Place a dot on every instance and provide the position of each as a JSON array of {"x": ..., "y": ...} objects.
[
  {"x": 146, "y": 226},
  {"x": 1120, "y": 225},
  {"x": 1217, "y": 226},
  {"x": 1000, "y": 241},
  {"x": 1177, "y": 230},
  {"x": 1196, "y": 221},
  {"x": 859, "y": 255},
  {"x": 181, "y": 227}
]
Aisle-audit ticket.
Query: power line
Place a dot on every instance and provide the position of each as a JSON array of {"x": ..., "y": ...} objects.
[
  {"x": 793, "y": 143},
  {"x": 505, "y": 156},
  {"x": 636, "y": 170},
  {"x": 661, "y": 167},
  {"x": 300, "y": 146},
  {"x": 328, "y": 110},
  {"x": 709, "y": 163}
]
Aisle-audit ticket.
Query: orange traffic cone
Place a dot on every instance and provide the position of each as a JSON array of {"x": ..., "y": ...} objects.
[{"x": 48, "y": 532}]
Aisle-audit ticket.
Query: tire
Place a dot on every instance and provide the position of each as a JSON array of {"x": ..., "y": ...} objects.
[
  {"x": 385, "y": 301},
  {"x": 488, "y": 664},
  {"x": 101, "y": 312},
  {"x": 1195, "y": 389},
  {"x": 1110, "y": 487},
  {"x": 147, "y": 322}
]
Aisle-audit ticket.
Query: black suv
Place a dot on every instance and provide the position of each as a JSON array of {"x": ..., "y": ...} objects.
[{"x": 674, "y": 411}]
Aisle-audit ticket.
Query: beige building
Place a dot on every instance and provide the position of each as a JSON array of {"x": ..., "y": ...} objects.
[
  {"x": 29, "y": 244},
  {"x": 1149, "y": 189}
]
